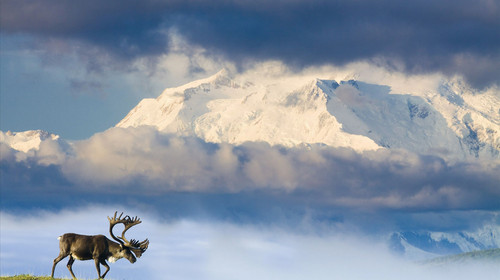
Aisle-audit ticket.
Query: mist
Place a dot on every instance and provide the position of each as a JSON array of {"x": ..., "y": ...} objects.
[{"x": 209, "y": 249}]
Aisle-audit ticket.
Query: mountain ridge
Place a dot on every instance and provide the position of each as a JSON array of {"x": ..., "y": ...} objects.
[
  {"x": 487, "y": 255},
  {"x": 26, "y": 140},
  {"x": 421, "y": 244},
  {"x": 447, "y": 121}
]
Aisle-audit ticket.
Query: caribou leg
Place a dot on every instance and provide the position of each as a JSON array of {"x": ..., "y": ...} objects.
[
  {"x": 70, "y": 263},
  {"x": 96, "y": 260},
  {"x": 103, "y": 262},
  {"x": 57, "y": 260}
]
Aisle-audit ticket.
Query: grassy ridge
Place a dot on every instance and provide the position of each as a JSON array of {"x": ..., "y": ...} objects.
[
  {"x": 27, "y": 277},
  {"x": 33, "y": 277}
]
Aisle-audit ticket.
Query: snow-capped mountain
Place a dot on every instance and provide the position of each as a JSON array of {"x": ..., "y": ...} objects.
[
  {"x": 26, "y": 140},
  {"x": 449, "y": 120},
  {"x": 425, "y": 245}
]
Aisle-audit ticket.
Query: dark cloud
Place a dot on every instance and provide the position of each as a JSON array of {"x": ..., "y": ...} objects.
[
  {"x": 418, "y": 36},
  {"x": 121, "y": 28}
]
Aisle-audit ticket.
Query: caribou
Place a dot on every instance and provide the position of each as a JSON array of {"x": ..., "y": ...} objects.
[{"x": 100, "y": 248}]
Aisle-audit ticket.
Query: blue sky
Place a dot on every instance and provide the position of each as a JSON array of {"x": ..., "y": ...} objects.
[{"x": 76, "y": 68}]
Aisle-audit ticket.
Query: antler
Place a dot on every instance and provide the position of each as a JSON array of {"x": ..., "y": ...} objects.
[
  {"x": 139, "y": 247},
  {"x": 128, "y": 222},
  {"x": 112, "y": 222}
]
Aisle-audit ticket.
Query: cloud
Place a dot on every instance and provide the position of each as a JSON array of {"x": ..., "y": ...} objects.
[
  {"x": 190, "y": 249},
  {"x": 342, "y": 177},
  {"x": 186, "y": 176},
  {"x": 417, "y": 37},
  {"x": 125, "y": 29}
]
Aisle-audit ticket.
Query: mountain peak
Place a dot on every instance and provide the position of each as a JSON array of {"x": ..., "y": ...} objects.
[
  {"x": 224, "y": 72},
  {"x": 295, "y": 110},
  {"x": 26, "y": 140}
]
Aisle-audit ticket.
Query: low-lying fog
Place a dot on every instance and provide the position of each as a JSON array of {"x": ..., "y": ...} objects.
[{"x": 208, "y": 249}]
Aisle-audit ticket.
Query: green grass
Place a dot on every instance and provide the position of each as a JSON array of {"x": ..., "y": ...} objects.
[
  {"x": 33, "y": 277},
  {"x": 28, "y": 277}
]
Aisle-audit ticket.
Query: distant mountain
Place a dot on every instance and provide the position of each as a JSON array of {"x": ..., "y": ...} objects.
[
  {"x": 26, "y": 140},
  {"x": 427, "y": 244},
  {"x": 489, "y": 255},
  {"x": 451, "y": 120}
]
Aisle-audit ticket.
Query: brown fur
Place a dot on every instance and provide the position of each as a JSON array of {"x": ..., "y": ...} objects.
[{"x": 87, "y": 247}]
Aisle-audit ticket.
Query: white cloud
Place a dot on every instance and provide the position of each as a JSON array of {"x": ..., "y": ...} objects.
[{"x": 148, "y": 162}]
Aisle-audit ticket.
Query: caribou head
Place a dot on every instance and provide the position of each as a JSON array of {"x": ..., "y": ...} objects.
[{"x": 100, "y": 248}]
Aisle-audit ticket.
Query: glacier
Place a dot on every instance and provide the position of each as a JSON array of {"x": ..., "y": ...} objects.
[{"x": 449, "y": 120}]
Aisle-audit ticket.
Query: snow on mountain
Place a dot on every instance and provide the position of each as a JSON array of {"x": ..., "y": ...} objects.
[
  {"x": 425, "y": 245},
  {"x": 219, "y": 109},
  {"x": 450, "y": 120},
  {"x": 26, "y": 140}
]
